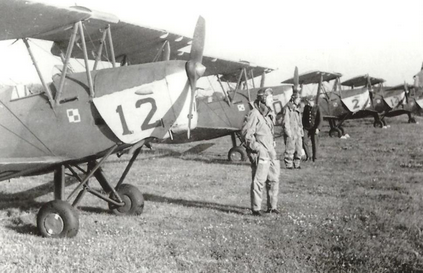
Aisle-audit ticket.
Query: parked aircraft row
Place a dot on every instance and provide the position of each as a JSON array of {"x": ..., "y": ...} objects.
[{"x": 148, "y": 95}]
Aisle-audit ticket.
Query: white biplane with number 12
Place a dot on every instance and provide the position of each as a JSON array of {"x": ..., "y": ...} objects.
[{"x": 78, "y": 120}]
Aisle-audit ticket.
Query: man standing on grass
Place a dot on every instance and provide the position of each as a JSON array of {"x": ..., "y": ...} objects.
[
  {"x": 312, "y": 123},
  {"x": 293, "y": 132},
  {"x": 257, "y": 133}
]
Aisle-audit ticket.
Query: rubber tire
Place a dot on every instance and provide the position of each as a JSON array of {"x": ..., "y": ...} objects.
[
  {"x": 335, "y": 132},
  {"x": 238, "y": 150},
  {"x": 68, "y": 215},
  {"x": 412, "y": 120},
  {"x": 378, "y": 124},
  {"x": 133, "y": 199}
]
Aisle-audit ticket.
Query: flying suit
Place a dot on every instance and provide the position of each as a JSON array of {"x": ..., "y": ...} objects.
[
  {"x": 257, "y": 132},
  {"x": 293, "y": 132}
]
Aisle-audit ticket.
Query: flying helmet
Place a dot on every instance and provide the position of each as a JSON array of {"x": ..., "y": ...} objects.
[{"x": 264, "y": 92}]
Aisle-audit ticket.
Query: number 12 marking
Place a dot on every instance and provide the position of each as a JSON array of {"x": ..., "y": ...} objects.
[{"x": 146, "y": 124}]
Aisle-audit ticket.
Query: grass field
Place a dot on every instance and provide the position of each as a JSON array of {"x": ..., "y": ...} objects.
[{"x": 357, "y": 209}]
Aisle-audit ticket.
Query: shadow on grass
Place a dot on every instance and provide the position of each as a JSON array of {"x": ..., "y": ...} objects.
[
  {"x": 178, "y": 201},
  {"x": 26, "y": 199},
  {"x": 189, "y": 155},
  {"x": 197, "y": 204},
  {"x": 27, "y": 229}
]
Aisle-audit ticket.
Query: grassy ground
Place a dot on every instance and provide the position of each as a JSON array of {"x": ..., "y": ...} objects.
[{"x": 358, "y": 209}]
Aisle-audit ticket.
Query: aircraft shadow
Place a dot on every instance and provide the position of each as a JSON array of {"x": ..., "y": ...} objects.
[
  {"x": 197, "y": 204},
  {"x": 180, "y": 202},
  {"x": 184, "y": 156},
  {"x": 24, "y": 229},
  {"x": 26, "y": 199}
]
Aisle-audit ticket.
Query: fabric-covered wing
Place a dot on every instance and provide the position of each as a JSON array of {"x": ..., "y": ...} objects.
[
  {"x": 13, "y": 167},
  {"x": 228, "y": 70},
  {"x": 20, "y": 19},
  {"x": 362, "y": 81},
  {"x": 399, "y": 87},
  {"x": 137, "y": 44},
  {"x": 28, "y": 19},
  {"x": 314, "y": 77}
]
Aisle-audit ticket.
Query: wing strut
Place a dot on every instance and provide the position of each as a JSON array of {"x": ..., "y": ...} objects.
[
  {"x": 100, "y": 49},
  {"x": 66, "y": 62},
  {"x": 246, "y": 83},
  {"x": 48, "y": 91},
  {"x": 87, "y": 67},
  {"x": 78, "y": 27}
]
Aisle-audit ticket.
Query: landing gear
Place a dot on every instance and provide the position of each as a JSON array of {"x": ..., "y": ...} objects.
[
  {"x": 237, "y": 153},
  {"x": 378, "y": 124},
  {"x": 412, "y": 120},
  {"x": 132, "y": 199},
  {"x": 59, "y": 219},
  {"x": 335, "y": 132}
]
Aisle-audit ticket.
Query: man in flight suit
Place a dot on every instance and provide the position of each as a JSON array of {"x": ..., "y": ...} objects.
[
  {"x": 293, "y": 132},
  {"x": 257, "y": 132},
  {"x": 312, "y": 123}
]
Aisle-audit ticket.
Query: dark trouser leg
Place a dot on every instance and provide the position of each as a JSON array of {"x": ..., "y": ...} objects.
[
  {"x": 306, "y": 144},
  {"x": 315, "y": 144}
]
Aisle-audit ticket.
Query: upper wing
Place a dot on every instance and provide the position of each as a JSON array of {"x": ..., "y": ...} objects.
[
  {"x": 362, "y": 81},
  {"x": 20, "y": 19},
  {"x": 399, "y": 87},
  {"x": 28, "y": 19},
  {"x": 137, "y": 44},
  {"x": 314, "y": 77},
  {"x": 229, "y": 70}
]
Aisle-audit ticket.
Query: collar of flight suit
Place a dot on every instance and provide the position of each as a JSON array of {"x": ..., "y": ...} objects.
[
  {"x": 263, "y": 109},
  {"x": 292, "y": 107}
]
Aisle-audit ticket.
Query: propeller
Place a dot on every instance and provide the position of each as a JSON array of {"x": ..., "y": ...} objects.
[
  {"x": 194, "y": 68},
  {"x": 370, "y": 88},
  {"x": 166, "y": 52},
  {"x": 296, "y": 79},
  {"x": 406, "y": 92},
  {"x": 319, "y": 89},
  {"x": 263, "y": 79}
]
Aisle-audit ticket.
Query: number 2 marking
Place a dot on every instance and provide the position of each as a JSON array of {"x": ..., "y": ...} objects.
[
  {"x": 395, "y": 101},
  {"x": 146, "y": 124},
  {"x": 356, "y": 101}
]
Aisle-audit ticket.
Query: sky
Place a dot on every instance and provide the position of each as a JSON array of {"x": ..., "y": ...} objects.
[{"x": 380, "y": 38}]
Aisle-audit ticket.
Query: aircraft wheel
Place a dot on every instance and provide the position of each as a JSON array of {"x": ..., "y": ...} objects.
[
  {"x": 237, "y": 153},
  {"x": 412, "y": 120},
  {"x": 58, "y": 219},
  {"x": 378, "y": 124},
  {"x": 341, "y": 129},
  {"x": 335, "y": 132},
  {"x": 384, "y": 122},
  {"x": 132, "y": 198}
]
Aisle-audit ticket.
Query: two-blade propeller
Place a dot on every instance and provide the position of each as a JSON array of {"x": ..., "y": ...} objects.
[
  {"x": 194, "y": 66},
  {"x": 371, "y": 91},
  {"x": 296, "y": 80}
]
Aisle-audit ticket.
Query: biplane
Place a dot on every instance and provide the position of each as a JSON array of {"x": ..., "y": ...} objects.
[
  {"x": 223, "y": 113},
  {"x": 337, "y": 105},
  {"x": 387, "y": 101},
  {"x": 76, "y": 121}
]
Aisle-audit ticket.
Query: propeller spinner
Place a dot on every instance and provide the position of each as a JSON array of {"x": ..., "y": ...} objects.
[{"x": 194, "y": 67}]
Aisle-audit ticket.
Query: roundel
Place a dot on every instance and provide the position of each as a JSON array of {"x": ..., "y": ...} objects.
[
  {"x": 335, "y": 104},
  {"x": 378, "y": 101}
]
